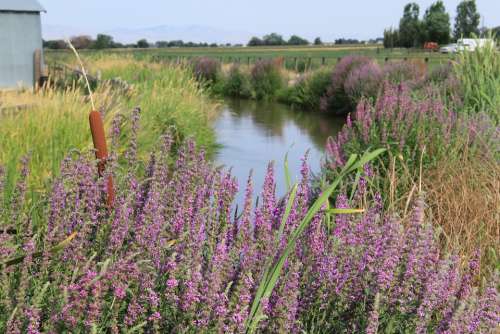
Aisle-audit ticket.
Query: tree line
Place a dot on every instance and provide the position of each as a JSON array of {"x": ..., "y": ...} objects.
[
  {"x": 274, "y": 39},
  {"x": 434, "y": 26},
  {"x": 103, "y": 41}
]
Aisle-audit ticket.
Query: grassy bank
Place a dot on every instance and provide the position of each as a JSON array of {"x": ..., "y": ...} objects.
[{"x": 48, "y": 124}]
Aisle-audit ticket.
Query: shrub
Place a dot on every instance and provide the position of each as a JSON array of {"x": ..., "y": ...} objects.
[
  {"x": 170, "y": 257},
  {"x": 206, "y": 69},
  {"x": 443, "y": 79},
  {"x": 266, "y": 79},
  {"x": 336, "y": 99},
  {"x": 440, "y": 73},
  {"x": 237, "y": 83},
  {"x": 397, "y": 72},
  {"x": 364, "y": 81},
  {"x": 306, "y": 93}
]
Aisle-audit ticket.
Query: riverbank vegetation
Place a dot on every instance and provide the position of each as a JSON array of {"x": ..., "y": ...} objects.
[
  {"x": 398, "y": 234},
  {"x": 429, "y": 129}
]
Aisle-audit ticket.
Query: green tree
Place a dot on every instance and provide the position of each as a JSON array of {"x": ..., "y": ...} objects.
[
  {"x": 318, "y": 41},
  {"x": 255, "y": 41},
  {"x": 142, "y": 43},
  {"x": 467, "y": 20},
  {"x": 274, "y": 39},
  {"x": 409, "y": 26},
  {"x": 161, "y": 44},
  {"x": 495, "y": 32},
  {"x": 436, "y": 23},
  {"x": 297, "y": 40},
  {"x": 103, "y": 42},
  {"x": 391, "y": 38}
]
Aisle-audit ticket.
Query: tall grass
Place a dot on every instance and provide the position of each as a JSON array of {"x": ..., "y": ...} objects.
[
  {"x": 307, "y": 91},
  {"x": 479, "y": 74},
  {"x": 56, "y": 121},
  {"x": 170, "y": 98},
  {"x": 51, "y": 123},
  {"x": 266, "y": 79},
  {"x": 464, "y": 194}
]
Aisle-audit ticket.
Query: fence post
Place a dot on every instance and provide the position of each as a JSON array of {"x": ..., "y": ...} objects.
[
  {"x": 101, "y": 152},
  {"x": 37, "y": 67},
  {"x": 323, "y": 61}
]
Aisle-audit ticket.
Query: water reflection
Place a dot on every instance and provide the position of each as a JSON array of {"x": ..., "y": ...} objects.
[{"x": 253, "y": 133}]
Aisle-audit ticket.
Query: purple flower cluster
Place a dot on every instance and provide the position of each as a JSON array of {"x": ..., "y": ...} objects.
[
  {"x": 364, "y": 81},
  {"x": 336, "y": 99},
  {"x": 172, "y": 257},
  {"x": 397, "y": 72},
  {"x": 405, "y": 125}
]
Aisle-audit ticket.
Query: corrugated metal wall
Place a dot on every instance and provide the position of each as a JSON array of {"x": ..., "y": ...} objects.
[{"x": 20, "y": 36}]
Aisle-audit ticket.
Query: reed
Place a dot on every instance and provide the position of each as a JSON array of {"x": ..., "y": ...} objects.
[{"x": 479, "y": 74}]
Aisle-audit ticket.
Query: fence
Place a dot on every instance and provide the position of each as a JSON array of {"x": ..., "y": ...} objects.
[
  {"x": 60, "y": 73},
  {"x": 296, "y": 63}
]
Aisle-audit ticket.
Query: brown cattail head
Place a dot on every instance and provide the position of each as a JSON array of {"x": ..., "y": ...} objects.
[{"x": 101, "y": 151}]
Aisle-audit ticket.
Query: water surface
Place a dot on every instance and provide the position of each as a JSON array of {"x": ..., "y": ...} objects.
[{"x": 253, "y": 133}]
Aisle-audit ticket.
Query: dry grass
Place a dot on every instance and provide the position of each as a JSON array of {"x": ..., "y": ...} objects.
[{"x": 465, "y": 201}]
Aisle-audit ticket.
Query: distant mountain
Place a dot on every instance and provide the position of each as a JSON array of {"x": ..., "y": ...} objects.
[
  {"x": 50, "y": 31},
  {"x": 193, "y": 33}
]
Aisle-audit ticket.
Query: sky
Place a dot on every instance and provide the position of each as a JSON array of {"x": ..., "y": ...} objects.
[{"x": 330, "y": 19}]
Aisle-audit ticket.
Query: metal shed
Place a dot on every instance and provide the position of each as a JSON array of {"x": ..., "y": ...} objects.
[{"x": 20, "y": 38}]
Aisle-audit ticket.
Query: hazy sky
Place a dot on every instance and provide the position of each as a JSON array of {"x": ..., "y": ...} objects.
[{"x": 326, "y": 18}]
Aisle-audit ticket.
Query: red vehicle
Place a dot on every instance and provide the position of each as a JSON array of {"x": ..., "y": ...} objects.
[{"x": 431, "y": 46}]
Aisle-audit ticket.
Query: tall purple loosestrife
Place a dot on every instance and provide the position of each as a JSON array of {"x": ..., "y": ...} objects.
[
  {"x": 336, "y": 99},
  {"x": 405, "y": 125},
  {"x": 364, "y": 81},
  {"x": 171, "y": 257}
]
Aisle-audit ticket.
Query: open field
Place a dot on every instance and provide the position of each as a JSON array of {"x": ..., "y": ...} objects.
[{"x": 313, "y": 56}]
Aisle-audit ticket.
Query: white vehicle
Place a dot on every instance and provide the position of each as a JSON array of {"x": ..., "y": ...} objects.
[
  {"x": 471, "y": 44},
  {"x": 450, "y": 48},
  {"x": 467, "y": 44}
]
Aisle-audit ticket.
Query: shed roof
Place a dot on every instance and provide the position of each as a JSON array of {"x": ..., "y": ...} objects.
[{"x": 20, "y": 6}]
